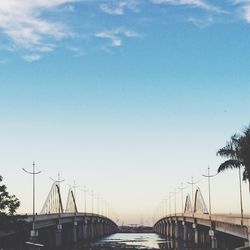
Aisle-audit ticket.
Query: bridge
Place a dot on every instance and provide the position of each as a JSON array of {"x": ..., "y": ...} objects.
[
  {"x": 197, "y": 226},
  {"x": 56, "y": 226}
]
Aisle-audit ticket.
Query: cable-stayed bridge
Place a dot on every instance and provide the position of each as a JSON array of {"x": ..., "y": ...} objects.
[
  {"x": 195, "y": 224},
  {"x": 56, "y": 226}
]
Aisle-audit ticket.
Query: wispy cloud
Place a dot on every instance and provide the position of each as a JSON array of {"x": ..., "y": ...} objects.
[
  {"x": 116, "y": 36},
  {"x": 22, "y": 22},
  {"x": 246, "y": 13},
  {"x": 194, "y": 3},
  {"x": 201, "y": 22},
  {"x": 31, "y": 57},
  {"x": 243, "y": 7},
  {"x": 118, "y": 7}
]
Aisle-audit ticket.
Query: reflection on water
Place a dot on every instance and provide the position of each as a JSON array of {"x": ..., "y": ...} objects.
[
  {"x": 132, "y": 241},
  {"x": 123, "y": 241}
]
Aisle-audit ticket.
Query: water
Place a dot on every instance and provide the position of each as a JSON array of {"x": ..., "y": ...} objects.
[
  {"x": 123, "y": 241},
  {"x": 131, "y": 241}
]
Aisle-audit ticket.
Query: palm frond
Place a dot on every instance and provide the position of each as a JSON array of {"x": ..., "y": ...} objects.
[
  {"x": 235, "y": 139},
  {"x": 227, "y": 151},
  {"x": 229, "y": 164}
]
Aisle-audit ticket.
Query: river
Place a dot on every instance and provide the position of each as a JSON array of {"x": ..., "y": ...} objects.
[{"x": 144, "y": 241}]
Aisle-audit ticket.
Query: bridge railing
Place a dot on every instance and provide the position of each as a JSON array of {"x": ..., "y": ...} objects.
[{"x": 225, "y": 218}]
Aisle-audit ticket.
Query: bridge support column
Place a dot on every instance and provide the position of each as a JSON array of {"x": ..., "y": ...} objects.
[
  {"x": 75, "y": 232},
  {"x": 184, "y": 236},
  {"x": 167, "y": 229},
  {"x": 85, "y": 229},
  {"x": 212, "y": 235},
  {"x": 176, "y": 231},
  {"x": 213, "y": 242},
  {"x": 196, "y": 236},
  {"x": 58, "y": 235}
]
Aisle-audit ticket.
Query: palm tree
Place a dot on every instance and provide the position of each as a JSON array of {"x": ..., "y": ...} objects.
[
  {"x": 244, "y": 153},
  {"x": 230, "y": 151},
  {"x": 237, "y": 152}
]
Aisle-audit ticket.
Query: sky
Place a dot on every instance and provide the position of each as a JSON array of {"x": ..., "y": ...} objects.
[{"x": 128, "y": 97}]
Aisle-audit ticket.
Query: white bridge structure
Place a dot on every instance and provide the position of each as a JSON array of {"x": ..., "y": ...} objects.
[
  {"x": 56, "y": 226},
  {"x": 199, "y": 228}
]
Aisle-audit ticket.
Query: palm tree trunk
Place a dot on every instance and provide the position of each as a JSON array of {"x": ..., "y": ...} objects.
[{"x": 241, "y": 206}]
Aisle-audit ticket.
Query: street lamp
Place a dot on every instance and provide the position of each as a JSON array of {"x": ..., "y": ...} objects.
[
  {"x": 98, "y": 203},
  {"x": 175, "y": 201},
  {"x": 74, "y": 188},
  {"x": 85, "y": 199},
  {"x": 33, "y": 233},
  {"x": 182, "y": 188},
  {"x": 166, "y": 207},
  {"x": 92, "y": 197},
  {"x": 209, "y": 189},
  {"x": 192, "y": 183},
  {"x": 169, "y": 198},
  {"x": 59, "y": 195}
]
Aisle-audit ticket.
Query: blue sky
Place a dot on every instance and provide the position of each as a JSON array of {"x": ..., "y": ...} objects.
[{"x": 129, "y": 97}]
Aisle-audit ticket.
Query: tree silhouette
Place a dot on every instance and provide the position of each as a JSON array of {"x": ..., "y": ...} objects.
[
  {"x": 8, "y": 203},
  {"x": 237, "y": 152}
]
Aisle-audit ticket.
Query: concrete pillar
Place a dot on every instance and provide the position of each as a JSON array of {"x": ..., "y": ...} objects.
[
  {"x": 176, "y": 231},
  {"x": 212, "y": 235},
  {"x": 213, "y": 242},
  {"x": 75, "y": 231},
  {"x": 171, "y": 229},
  {"x": 184, "y": 236},
  {"x": 58, "y": 235},
  {"x": 196, "y": 236},
  {"x": 85, "y": 229},
  {"x": 93, "y": 230}
]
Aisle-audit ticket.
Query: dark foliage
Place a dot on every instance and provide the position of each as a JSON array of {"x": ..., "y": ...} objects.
[
  {"x": 8, "y": 203},
  {"x": 237, "y": 152},
  {"x": 8, "y": 206}
]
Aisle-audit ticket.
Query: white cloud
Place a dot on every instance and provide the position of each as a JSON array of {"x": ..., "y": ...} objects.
[
  {"x": 116, "y": 41},
  {"x": 194, "y": 3},
  {"x": 118, "y": 7},
  {"x": 31, "y": 57},
  {"x": 21, "y": 21},
  {"x": 243, "y": 7},
  {"x": 116, "y": 35},
  {"x": 246, "y": 13},
  {"x": 201, "y": 22}
]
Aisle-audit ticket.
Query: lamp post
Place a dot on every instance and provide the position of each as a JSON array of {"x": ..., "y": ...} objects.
[
  {"x": 33, "y": 233},
  {"x": 211, "y": 231},
  {"x": 182, "y": 188},
  {"x": 175, "y": 201},
  {"x": 102, "y": 206},
  {"x": 192, "y": 183},
  {"x": 169, "y": 198},
  {"x": 58, "y": 181},
  {"x": 98, "y": 202},
  {"x": 74, "y": 186},
  {"x": 166, "y": 207},
  {"x": 92, "y": 197},
  {"x": 209, "y": 189},
  {"x": 85, "y": 199}
]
